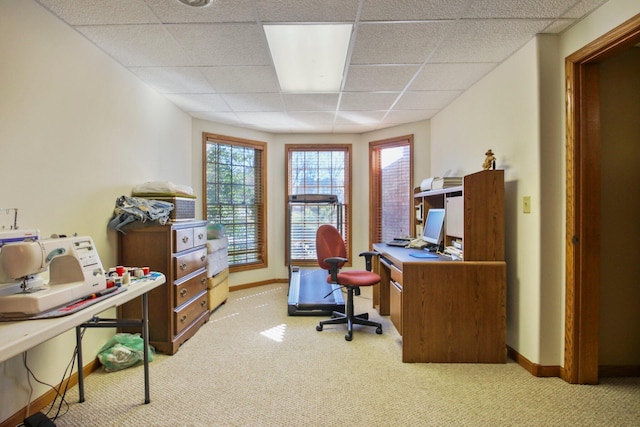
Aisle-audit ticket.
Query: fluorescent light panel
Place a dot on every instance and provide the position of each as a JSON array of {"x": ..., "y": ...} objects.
[{"x": 309, "y": 58}]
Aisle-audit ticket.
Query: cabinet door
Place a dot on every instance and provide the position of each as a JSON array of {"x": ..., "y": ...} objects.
[
  {"x": 454, "y": 218},
  {"x": 395, "y": 303}
]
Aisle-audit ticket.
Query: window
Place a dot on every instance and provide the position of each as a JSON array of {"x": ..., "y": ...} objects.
[
  {"x": 235, "y": 196},
  {"x": 316, "y": 169},
  {"x": 391, "y": 174}
]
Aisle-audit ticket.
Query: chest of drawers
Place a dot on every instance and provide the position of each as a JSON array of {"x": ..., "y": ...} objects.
[{"x": 178, "y": 308}]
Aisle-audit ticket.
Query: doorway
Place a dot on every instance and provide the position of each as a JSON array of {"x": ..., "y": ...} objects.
[{"x": 581, "y": 356}]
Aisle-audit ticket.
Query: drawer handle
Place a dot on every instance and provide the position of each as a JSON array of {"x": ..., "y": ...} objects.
[
  {"x": 200, "y": 236},
  {"x": 183, "y": 266},
  {"x": 183, "y": 318},
  {"x": 203, "y": 281},
  {"x": 202, "y": 258},
  {"x": 185, "y": 239},
  {"x": 203, "y": 303},
  {"x": 183, "y": 292}
]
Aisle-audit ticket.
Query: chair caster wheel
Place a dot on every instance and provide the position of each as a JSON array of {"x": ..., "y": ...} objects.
[
  {"x": 319, "y": 328},
  {"x": 348, "y": 337},
  {"x": 379, "y": 330}
]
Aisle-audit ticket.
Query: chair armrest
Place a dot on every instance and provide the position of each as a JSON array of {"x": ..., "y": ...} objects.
[
  {"x": 334, "y": 262},
  {"x": 368, "y": 255}
]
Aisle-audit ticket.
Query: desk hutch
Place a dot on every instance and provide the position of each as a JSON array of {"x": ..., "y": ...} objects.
[{"x": 451, "y": 311}]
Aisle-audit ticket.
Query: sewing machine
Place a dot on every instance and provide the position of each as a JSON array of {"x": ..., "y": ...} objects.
[
  {"x": 75, "y": 271},
  {"x": 7, "y": 284}
]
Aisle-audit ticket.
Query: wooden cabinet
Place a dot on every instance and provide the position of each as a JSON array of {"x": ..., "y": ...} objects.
[
  {"x": 479, "y": 207},
  {"x": 178, "y": 308},
  {"x": 445, "y": 310}
]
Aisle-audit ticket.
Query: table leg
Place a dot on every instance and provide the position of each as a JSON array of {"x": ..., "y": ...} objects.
[
  {"x": 80, "y": 365},
  {"x": 145, "y": 339}
]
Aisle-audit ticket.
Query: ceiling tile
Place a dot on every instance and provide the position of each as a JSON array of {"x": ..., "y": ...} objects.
[
  {"x": 248, "y": 79},
  {"x": 255, "y": 102},
  {"x": 355, "y": 128},
  {"x": 518, "y": 8},
  {"x": 311, "y": 101},
  {"x": 408, "y": 116},
  {"x": 174, "y": 79},
  {"x": 397, "y": 43},
  {"x": 315, "y": 117},
  {"x": 364, "y": 101},
  {"x": 265, "y": 118},
  {"x": 222, "y": 44},
  {"x": 410, "y": 10},
  {"x": 414, "y": 56},
  {"x": 450, "y": 76},
  {"x": 138, "y": 45},
  {"x": 583, "y": 8},
  {"x": 307, "y": 10},
  {"x": 198, "y": 102},
  {"x": 359, "y": 117},
  {"x": 426, "y": 100},
  {"x": 219, "y": 117},
  {"x": 379, "y": 77},
  {"x": 173, "y": 12},
  {"x": 83, "y": 12},
  {"x": 487, "y": 40}
]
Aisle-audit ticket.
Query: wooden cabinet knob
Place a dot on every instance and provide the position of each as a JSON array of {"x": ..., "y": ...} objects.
[
  {"x": 185, "y": 239},
  {"x": 203, "y": 302},
  {"x": 200, "y": 236},
  {"x": 202, "y": 258},
  {"x": 183, "y": 266},
  {"x": 183, "y": 318},
  {"x": 203, "y": 281},
  {"x": 183, "y": 292}
]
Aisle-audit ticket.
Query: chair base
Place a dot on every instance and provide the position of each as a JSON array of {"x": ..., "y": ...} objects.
[{"x": 349, "y": 318}]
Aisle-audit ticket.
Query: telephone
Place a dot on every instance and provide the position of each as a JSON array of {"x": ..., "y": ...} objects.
[{"x": 417, "y": 244}]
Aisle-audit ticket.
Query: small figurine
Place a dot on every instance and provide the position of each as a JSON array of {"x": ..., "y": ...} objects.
[{"x": 489, "y": 161}]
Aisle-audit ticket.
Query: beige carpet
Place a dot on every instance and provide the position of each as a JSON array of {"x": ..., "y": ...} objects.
[{"x": 252, "y": 365}]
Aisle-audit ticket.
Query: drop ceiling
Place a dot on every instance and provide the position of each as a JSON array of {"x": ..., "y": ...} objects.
[{"x": 407, "y": 59}]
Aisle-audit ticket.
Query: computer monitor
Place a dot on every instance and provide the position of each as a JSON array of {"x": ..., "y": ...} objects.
[{"x": 432, "y": 232}]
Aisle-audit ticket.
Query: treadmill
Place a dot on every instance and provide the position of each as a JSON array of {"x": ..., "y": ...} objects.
[{"x": 309, "y": 293}]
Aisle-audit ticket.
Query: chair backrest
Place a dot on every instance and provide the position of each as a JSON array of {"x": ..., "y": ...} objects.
[{"x": 329, "y": 244}]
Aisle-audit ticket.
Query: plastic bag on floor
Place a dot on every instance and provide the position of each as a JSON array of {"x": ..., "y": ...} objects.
[{"x": 123, "y": 351}]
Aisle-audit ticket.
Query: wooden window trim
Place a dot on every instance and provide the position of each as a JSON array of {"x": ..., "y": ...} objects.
[
  {"x": 375, "y": 179},
  {"x": 259, "y": 145},
  {"x": 348, "y": 148}
]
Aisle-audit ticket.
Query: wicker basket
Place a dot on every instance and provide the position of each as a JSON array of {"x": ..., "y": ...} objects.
[{"x": 184, "y": 208}]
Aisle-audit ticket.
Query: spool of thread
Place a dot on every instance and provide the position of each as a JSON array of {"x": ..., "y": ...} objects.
[
  {"x": 120, "y": 270},
  {"x": 126, "y": 278},
  {"x": 139, "y": 273},
  {"x": 145, "y": 270}
]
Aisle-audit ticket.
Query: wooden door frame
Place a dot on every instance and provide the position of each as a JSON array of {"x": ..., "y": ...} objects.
[{"x": 583, "y": 200}]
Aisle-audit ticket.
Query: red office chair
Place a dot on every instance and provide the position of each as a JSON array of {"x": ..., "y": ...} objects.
[{"x": 331, "y": 252}]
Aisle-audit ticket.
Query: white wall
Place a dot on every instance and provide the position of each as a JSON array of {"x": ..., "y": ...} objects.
[
  {"x": 76, "y": 132},
  {"x": 501, "y": 113},
  {"x": 518, "y": 111},
  {"x": 276, "y": 182}
]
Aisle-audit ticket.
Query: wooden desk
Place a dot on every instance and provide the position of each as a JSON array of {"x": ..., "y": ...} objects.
[
  {"x": 446, "y": 311},
  {"x": 19, "y": 336}
]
